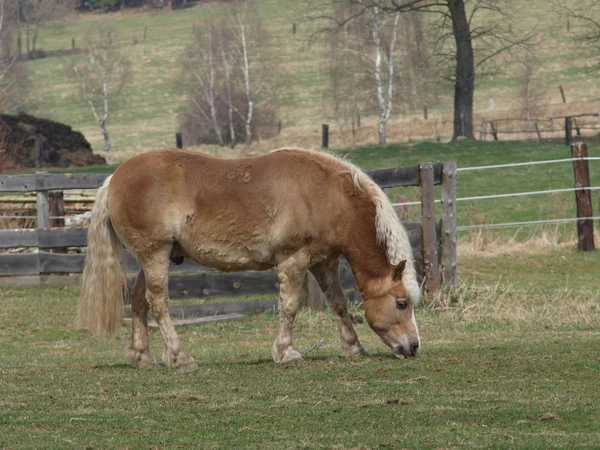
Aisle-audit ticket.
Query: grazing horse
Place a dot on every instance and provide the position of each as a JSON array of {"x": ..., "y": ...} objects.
[{"x": 293, "y": 210}]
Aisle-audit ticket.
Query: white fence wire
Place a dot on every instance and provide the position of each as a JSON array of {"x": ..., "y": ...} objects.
[{"x": 519, "y": 194}]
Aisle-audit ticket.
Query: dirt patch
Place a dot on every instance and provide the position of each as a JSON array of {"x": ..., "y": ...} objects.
[{"x": 61, "y": 146}]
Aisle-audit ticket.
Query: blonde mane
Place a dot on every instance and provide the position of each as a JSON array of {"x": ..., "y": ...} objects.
[{"x": 390, "y": 231}]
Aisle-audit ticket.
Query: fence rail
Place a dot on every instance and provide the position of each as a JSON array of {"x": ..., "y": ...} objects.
[{"x": 555, "y": 127}]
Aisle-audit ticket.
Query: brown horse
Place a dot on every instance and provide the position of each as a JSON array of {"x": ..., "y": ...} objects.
[{"x": 293, "y": 210}]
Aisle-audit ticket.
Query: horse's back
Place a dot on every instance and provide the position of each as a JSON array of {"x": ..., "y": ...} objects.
[{"x": 213, "y": 206}]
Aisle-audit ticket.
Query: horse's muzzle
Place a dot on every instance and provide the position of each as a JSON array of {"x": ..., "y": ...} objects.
[{"x": 407, "y": 350}]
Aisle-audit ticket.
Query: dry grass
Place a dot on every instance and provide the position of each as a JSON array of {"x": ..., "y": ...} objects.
[{"x": 515, "y": 307}]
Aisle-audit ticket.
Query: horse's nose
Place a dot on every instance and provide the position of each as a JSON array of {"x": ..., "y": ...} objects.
[
  {"x": 414, "y": 348},
  {"x": 407, "y": 349}
]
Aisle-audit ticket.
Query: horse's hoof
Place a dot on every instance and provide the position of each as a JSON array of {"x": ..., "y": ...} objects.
[
  {"x": 357, "y": 351},
  {"x": 291, "y": 356},
  {"x": 183, "y": 363},
  {"x": 190, "y": 366},
  {"x": 141, "y": 360}
]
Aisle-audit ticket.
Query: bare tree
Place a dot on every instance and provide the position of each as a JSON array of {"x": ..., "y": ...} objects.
[
  {"x": 532, "y": 93},
  {"x": 230, "y": 88},
  {"x": 202, "y": 63},
  {"x": 258, "y": 81},
  {"x": 7, "y": 60},
  {"x": 31, "y": 15},
  {"x": 13, "y": 72},
  {"x": 366, "y": 59},
  {"x": 459, "y": 22},
  {"x": 584, "y": 16},
  {"x": 102, "y": 74}
]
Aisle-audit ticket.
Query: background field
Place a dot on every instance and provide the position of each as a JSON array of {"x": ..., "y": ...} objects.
[
  {"x": 149, "y": 120},
  {"x": 513, "y": 361}
]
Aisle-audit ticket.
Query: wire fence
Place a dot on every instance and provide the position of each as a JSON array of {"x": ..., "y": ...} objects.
[{"x": 519, "y": 194}]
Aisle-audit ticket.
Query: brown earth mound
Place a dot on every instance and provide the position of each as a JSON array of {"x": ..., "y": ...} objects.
[{"x": 60, "y": 145}]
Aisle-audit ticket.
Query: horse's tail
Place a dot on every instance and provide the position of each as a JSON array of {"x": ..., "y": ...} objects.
[{"x": 101, "y": 301}]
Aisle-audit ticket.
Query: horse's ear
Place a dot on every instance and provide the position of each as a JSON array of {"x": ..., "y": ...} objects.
[{"x": 399, "y": 269}]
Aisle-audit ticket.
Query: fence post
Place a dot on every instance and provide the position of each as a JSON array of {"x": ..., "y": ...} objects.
[
  {"x": 448, "y": 232},
  {"x": 537, "y": 130},
  {"x": 481, "y": 129},
  {"x": 325, "y": 136},
  {"x": 583, "y": 197},
  {"x": 568, "y": 130},
  {"x": 38, "y": 153},
  {"x": 179, "y": 140},
  {"x": 494, "y": 130},
  {"x": 425, "y": 113},
  {"x": 43, "y": 209},
  {"x": 577, "y": 129},
  {"x": 57, "y": 209},
  {"x": 431, "y": 272},
  {"x": 562, "y": 94}
]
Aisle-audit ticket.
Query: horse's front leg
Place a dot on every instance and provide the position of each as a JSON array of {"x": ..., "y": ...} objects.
[
  {"x": 291, "y": 275},
  {"x": 328, "y": 276}
]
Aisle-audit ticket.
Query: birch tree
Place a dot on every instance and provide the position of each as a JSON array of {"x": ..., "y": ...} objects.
[
  {"x": 231, "y": 89},
  {"x": 102, "y": 75},
  {"x": 202, "y": 62},
  {"x": 368, "y": 48},
  {"x": 247, "y": 32}
]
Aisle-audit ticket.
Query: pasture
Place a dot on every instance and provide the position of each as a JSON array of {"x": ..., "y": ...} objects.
[
  {"x": 510, "y": 359},
  {"x": 149, "y": 118}
]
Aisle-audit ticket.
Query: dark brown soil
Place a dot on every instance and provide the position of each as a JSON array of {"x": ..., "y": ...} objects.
[{"x": 60, "y": 145}]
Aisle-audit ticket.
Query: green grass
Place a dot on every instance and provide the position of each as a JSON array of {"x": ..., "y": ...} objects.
[{"x": 513, "y": 364}]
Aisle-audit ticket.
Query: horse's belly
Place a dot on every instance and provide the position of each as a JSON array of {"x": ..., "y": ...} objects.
[{"x": 231, "y": 258}]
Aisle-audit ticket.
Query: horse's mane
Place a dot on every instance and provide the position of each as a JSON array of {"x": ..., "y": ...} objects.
[{"x": 390, "y": 231}]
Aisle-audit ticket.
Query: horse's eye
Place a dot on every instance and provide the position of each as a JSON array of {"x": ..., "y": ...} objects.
[{"x": 401, "y": 304}]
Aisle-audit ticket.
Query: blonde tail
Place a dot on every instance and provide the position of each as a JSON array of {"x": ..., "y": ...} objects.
[{"x": 101, "y": 301}]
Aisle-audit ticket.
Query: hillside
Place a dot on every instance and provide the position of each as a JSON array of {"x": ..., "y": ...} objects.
[{"x": 149, "y": 119}]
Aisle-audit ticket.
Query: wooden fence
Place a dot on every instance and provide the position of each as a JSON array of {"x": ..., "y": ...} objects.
[
  {"x": 47, "y": 262},
  {"x": 550, "y": 128}
]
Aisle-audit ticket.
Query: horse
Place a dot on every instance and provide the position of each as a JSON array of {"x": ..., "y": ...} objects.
[{"x": 291, "y": 210}]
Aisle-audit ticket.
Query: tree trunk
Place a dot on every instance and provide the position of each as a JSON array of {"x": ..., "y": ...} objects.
[
  {"x": 382, "y": 134},
  {"x": 105, "y": 135},
  {"x": 464, "y": 86}
]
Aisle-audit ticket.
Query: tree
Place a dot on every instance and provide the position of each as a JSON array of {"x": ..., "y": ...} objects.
[
  {"x": 13, "y": 72},
  {"x": 102, "y": 75},
  {"x": 584, "y": 20},
  {"x": 7, "y": 59},
  {"x": 31, "y": 15},
  {"x": 457, "y": 22},
  {"x": 372, "y": 65},
  {"x": 231, "y": 89}
]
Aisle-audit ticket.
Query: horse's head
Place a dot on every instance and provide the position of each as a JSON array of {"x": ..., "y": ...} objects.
[{"x": 391, "y": 315}]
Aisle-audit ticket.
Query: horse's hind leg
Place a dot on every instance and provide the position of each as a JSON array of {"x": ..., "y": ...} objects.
[
  {"x": 327, "y": 275},
  {"x": 156, "y": 271},
  {"x": 139, "y": 353},
  {"x": 291, "y": 274}
]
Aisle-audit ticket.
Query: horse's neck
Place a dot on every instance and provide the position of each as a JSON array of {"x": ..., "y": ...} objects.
[{"x": 368, "y": 261}]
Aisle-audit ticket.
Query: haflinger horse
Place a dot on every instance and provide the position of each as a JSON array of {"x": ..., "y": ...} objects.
[{"x": 293, "y": 210}]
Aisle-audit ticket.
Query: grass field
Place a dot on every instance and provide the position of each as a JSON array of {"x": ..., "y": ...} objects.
[
  {"x": 512, "y": 362},
  {"x": 149, "y": 119}
]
